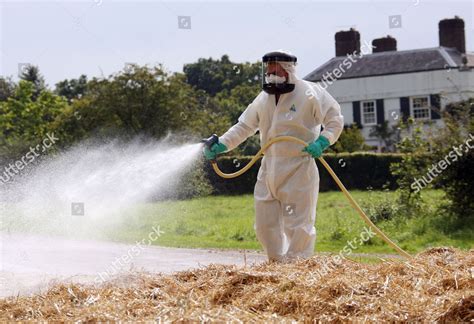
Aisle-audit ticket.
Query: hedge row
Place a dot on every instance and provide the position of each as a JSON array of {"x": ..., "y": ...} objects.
[{"x": 361, "y": 171}]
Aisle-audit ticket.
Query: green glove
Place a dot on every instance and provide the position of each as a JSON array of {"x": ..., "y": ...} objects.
[
  {"x": 317, "y": 147},
  {"x": 216, "y": 148}
]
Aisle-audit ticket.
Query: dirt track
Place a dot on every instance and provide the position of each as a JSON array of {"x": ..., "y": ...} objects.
[{"x": 29, "y": 264}]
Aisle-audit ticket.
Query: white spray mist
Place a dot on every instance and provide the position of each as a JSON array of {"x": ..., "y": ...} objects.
[{"x": 93, "y": 184}]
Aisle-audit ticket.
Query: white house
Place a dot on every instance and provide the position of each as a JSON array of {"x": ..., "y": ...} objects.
[{"x": 387, "y": 84}]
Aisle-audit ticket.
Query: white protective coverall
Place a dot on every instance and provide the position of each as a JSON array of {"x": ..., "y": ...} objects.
[{"x": 287, "y": 186}]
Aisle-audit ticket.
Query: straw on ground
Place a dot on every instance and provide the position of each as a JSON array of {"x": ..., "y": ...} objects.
[{"x": 437, "y": 285}]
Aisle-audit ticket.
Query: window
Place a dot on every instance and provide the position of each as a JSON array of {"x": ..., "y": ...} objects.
[
  {"x": 369, "y": 115},
  {"x": 420, "y": 107}
]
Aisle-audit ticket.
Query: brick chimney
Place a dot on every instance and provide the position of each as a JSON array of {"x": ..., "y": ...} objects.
[
  {"x": 451, "y": 33},
  {"x": 347, "y": 42},
  {"x": 384, "y": 44}
]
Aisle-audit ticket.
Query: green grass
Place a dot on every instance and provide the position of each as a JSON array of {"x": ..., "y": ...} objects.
[{"x": 227, "y": 222}]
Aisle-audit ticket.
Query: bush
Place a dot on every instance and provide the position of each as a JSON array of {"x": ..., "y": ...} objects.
[
  {"x": 412, "y": 165},
  {"x": 423, "y": 154},
  {"x": 339, "y": 232},
  {"x": 380, "y": 210},
  {"x": 457, "y": 179},
  {"x": 351, "y": 140}
]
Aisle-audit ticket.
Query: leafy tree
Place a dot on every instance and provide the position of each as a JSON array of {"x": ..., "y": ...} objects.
[
  {"x": 7, "y": 88},
  {"x": 32, "y": 74},
  {"x": 234, "y": 103},
  {"x": 25, "y": 121},
  {"x": 141, "y": 101},
  {"x": 72, "y": 89},
  {"x": 214, "y": 76}
]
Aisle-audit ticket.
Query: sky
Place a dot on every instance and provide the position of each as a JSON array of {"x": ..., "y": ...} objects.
[{"x": 99, "y": 37}]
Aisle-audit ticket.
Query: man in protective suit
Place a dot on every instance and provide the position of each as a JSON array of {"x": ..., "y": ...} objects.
[{"x": 287, "y": 185}]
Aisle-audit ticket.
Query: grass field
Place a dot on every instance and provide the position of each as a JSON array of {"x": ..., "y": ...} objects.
[{"x": 227, "y": 222}]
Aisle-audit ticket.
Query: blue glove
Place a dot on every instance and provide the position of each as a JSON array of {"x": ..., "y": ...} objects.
[
  {"x": 216, "y": 148},
  {"x": 317, "y": 147}
]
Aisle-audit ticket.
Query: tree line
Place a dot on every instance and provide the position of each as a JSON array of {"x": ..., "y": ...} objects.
[{"x": 137, "y": 101}]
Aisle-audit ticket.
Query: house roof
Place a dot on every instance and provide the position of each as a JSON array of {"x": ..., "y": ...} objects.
[{"x": 394, "y": 62}]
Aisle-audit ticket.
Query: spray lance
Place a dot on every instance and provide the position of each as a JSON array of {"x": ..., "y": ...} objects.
[{"x": 215, "y": 139}]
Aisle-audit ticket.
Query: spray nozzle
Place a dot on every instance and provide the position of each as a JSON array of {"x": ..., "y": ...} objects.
[{"x": 210, "y": 141}]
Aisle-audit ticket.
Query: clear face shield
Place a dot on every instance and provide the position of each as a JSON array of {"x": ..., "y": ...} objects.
[{"x": 275, "y": 77}]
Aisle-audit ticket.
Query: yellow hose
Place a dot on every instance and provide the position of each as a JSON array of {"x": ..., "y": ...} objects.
[{"x": 331, "y": 172}]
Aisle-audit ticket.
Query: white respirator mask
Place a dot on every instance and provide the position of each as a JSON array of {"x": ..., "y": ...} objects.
[
  {"x": 278, "y": 72},
  {"x": 272, "y": 78}
]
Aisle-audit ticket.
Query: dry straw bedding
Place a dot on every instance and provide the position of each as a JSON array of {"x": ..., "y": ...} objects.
[{"x": 437, "y": 285}]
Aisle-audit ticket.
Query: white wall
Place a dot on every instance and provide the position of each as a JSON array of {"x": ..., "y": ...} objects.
[
  {"x": 346, "y": 109},
  {"x": 452, "y": 85}
]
